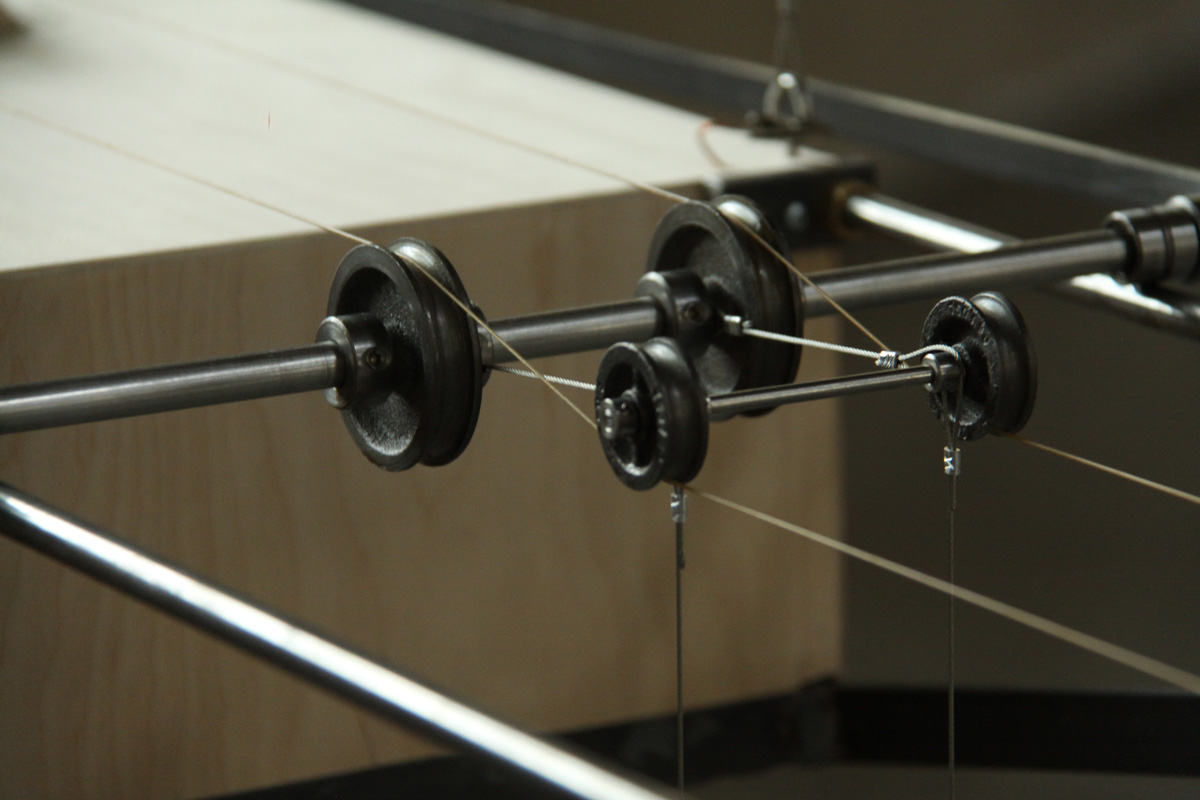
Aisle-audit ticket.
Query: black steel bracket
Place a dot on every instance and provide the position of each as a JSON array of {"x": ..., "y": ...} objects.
[
  {"x": 802, "y": 204},
  {"x": 710, "y": 83}
]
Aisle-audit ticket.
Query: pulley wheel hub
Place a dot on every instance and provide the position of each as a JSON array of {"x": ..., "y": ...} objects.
[
  {"x": 428, "y": 412},
  {"x": 651, "y": 410},
  {"x": 742, "y": 279},
  {"x": 999, "y": 383}
]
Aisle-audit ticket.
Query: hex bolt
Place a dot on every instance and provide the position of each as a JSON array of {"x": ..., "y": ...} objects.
[
  {"x": 795, "y": 217},
  {"x": 376, "y": 359}
]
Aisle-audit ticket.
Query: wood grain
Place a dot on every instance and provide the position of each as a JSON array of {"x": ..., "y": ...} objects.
[{"x": 522, "y": 576}]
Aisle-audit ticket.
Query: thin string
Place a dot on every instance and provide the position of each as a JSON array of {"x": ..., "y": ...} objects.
[
  {"x": 1121, "y": 655},
  {"x": 293, "y": 215},
  {"x": 588, "y": 418},
  {"x": 478, "y": 130},
  {"x": 378, "y": 97},
  {"x": 706, "y": 148},
  {"x": 1131, "y": 659},
  {"x": 952, "y": 677},
  {"x": 115, "y": 148},
  {"x": 714, "y": 158},
  {"x": 1149, "y": 484},
  {"x": 787, "y": 262}
]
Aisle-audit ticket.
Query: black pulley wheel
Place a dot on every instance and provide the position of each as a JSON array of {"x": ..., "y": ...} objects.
[
  {"x": 651, "y": 411},
  {"x": 742, "y": 279},
  {"x": 429, "y": 411},
  {"x": 999, "y": 365}
]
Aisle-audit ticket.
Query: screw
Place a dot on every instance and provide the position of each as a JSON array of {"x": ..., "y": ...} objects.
[
  {"x": 375, "y": 358},
  {"x": 795, "y": 217},
  {"x": 693, "y": 312}
]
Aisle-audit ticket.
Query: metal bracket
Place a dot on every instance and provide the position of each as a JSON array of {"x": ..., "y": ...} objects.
[{"x": 801, "y": 204}]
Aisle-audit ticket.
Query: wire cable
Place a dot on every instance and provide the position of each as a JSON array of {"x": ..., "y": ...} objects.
[
  {"x": 1144, "y": 664},
  {"x": 574, "y": 384}
]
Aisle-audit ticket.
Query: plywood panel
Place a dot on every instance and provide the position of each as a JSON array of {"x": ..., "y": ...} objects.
[
  {"x": 523, "y": 575},
  {"x": 325, "y": 110}
]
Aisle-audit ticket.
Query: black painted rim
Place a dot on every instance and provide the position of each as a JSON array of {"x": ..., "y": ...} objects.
[
  {"x": 999, "y": 363},
  {"x": 431, "y": 410},
  {"x": 673, "y": 434},
  {"x": 743, "y": 279}
]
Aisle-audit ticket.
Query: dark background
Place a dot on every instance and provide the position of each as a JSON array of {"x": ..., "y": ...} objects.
[{"x": 1091, "y": 551}]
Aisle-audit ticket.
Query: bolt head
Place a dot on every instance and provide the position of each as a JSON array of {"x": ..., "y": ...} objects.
[
  {"x": 795, "y": 217},
  {"x": 376, "y": 359}
]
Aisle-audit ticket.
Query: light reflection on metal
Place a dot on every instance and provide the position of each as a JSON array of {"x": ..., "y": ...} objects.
[
  {"x": 924, "y": 226},
  {"x": 353, "y": 677},
  {"x": 1160, "y": 308},
  {"x": 1109, "y": 287}
]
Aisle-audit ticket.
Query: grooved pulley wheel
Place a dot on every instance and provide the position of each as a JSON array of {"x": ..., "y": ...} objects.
[
  {"x": 742, "y": 279},
  {"x": 652, "y": 413},
  {"x": 433, "y": 388},
  {"x": 999, "y": 382}
]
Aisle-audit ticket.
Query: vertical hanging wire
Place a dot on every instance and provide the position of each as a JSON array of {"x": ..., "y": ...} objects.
[
  {"x": 952, "y": 459},
  {"x": 788, "y": 56},
  {"x": 679, "y": 515},
  {"x": 1144, "y": 664},
  {"x": 786, "y": 10}
]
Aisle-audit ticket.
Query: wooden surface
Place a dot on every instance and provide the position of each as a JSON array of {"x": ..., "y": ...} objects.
[
  {"x": 319, "y": 108},
  {"x": 522, "y": 576}
]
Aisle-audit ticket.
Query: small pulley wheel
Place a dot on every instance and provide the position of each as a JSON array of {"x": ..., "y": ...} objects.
[
  {"x": 999, "y": 383},
  {"x": 651, "y": 411},
  {"x": 742, "y": 279},
  {"x": 428, "y": 412}
]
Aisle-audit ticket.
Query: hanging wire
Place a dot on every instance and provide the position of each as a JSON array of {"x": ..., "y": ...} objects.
[
  {"x": 389, "y": 100},
  {"x": 1144, "y": 664},
  {"x": 1113, "y": 652},
  {"x": 1096, "y": 465}
]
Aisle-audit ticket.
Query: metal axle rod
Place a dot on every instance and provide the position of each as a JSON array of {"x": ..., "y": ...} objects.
[
  {"x": 1156, "y": 307},
  {"x": 933, "y": 371},
  {"x": 573, "y": 330},
  {"x": 323, "y": 365},
  {"x": 926, "y": 277},
  {"x": 353, "y": 356},
  {"x": 923, "y": 278},
  {"x": 363, "y": 682},
  {"x": 169, "y": 388}
]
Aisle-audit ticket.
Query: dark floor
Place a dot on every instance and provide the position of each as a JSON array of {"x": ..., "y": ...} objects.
[{"x": 924, "y": 783}]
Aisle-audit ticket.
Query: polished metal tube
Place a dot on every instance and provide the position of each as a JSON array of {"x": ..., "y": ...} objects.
[
  {"x": 574, "y": 330},
  {"x": 726, "y": 405},
  {"x": 301, "y": 652},
  {"x": 1023, "y": 264},
  {"x": 921, "y": 225},
  {"x": 169, "y": 388},
  {"x": 1160, "y": 308}
]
